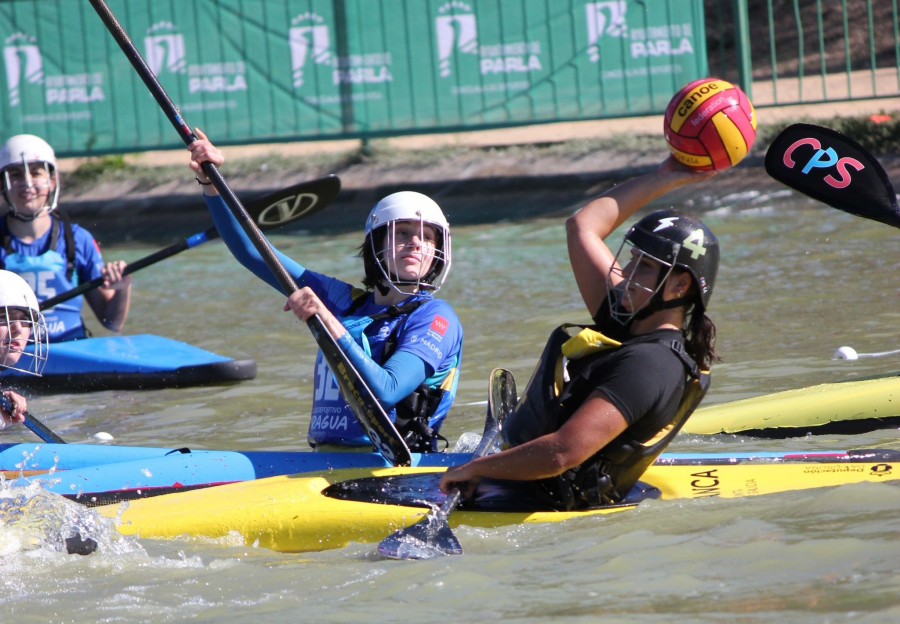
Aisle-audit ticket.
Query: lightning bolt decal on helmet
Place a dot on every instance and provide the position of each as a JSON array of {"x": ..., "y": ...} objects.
[{"x": 673, "y": 240}]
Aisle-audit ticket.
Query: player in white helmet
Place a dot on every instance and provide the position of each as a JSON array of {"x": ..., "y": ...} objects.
[
  {"x": 405, "y": 343},
  {"x": 23, "y": 340},
  {"x": 52, "y": 254}
]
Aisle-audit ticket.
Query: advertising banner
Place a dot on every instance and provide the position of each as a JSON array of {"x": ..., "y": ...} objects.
[{"x": 256, "y": 71}]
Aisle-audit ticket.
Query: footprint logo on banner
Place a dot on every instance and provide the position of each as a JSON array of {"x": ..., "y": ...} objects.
[
  {"x": 604, "y": 18},
  {"x": 308, "y": 31},
  {"x": 23, "y": 63},
  {"x": 456, "y": 30},
  {"x": 164, "y": 49}
]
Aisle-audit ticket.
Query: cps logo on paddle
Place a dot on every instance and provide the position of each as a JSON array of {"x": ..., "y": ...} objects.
[
  {"x": 881, "y": 470},
  {"x": 822, "y": 159}
]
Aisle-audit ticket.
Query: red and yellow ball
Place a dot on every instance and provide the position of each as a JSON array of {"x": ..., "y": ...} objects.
[{"x": 710, "y": 124}]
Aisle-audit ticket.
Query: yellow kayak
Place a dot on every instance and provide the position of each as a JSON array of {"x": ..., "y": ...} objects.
[
  {"x": 846, "y": 407},
  {"x": 292, "y": 513}
]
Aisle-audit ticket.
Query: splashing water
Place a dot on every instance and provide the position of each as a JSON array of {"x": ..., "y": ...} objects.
[{"x": 32, "y": 518}]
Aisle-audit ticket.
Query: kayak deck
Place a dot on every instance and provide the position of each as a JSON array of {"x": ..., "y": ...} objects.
[{"x": 293, "y": 513}]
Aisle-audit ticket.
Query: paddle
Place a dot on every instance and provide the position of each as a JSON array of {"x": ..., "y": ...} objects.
[
  {"x": 39, "y": 428},
  {"x": 431, "y": 536},
  {"x": 832, "y": 168},
  {"x": 272, "y": 210},
  {"x": 381, "y": 431}
]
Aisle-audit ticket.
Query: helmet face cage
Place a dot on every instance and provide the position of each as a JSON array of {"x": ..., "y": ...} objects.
[
  {"x": 24, "y": 150},
  {"x": 683, "y": 241},
  {"x": 383, "y": 244},
  {"x": 23, "y": 330},
  {"x": 29, "y": 355},
  {"x": 620, "y": 284},
  {"x": 381, "y": 241}
]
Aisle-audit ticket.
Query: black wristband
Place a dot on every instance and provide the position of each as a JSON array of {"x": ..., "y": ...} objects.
[{"x": 201, "y": 183}]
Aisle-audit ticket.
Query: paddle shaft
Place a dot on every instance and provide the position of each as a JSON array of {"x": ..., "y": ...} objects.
[
  {"x": 432, "y": 536},
  {"x": 41, "y": 430},
  {"x": 174, "y": 116},
  {"x": 503, "y": 391},
  {"x": 137, "y": 265},
  {"x": 272, "y": 210},
  {"x": 354, "y": 389},
  {"x": 501, "y": 402}
]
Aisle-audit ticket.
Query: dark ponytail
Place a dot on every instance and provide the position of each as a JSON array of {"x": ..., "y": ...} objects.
[{"x": 700, "y": 335}]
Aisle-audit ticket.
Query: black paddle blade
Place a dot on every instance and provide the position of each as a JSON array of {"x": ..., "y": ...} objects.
[
  {"x": 77, "y": 545},
  {"x": 832, "y": 168},
  {"x": 429, "y": 538},
  {"x": 295, "y": 202}
]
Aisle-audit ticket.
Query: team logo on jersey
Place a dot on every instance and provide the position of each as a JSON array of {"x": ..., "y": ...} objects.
[{"x": 439, "y": 325}]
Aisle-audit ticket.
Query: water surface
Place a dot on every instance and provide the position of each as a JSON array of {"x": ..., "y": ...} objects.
[{"x": 797, "y": 281}]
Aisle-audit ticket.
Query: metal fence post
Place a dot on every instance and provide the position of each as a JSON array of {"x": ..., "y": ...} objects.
[{"x": 742, "y": 47}]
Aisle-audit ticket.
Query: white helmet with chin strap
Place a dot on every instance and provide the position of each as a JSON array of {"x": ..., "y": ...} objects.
[
  {"x": 22, "y": 150},
  {"x": 408, "y": 206},
  {"x": 23, "y": 330}
]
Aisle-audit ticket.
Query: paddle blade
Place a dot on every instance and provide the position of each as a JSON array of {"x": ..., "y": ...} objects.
[
  {"x": 295, "y": 202},
  {"x": 77, "y": 545},
  {"x": 428, "y": 538},
  {"x": 832, "y": 168},
  {"x": 431, "y": 536}
]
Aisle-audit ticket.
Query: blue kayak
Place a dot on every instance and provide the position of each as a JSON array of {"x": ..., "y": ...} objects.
[
  {"x": 138, "y": 362},
  {"x": 98, "y": 474}
]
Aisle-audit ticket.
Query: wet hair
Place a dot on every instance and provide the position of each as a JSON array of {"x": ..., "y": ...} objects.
[
  {"x": 372, "y": 277},
  {"x": 699, "y": 331}
]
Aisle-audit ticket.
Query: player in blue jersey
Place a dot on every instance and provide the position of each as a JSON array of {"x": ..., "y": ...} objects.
[
  {"x": 53, "y": 255},
  {"x": 405, "y": 343}
]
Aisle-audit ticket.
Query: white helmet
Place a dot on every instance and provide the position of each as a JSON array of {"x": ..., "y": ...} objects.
[
  {"x": 24, "y": 149},
  {"x": 19, "y": 309},
  {"x": 405, "y": 206}
]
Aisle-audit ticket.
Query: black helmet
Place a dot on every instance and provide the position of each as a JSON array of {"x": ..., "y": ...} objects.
[{"x": 677, "y": 239}]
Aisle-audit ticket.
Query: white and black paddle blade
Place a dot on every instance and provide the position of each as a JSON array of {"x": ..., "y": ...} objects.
[
  {"x": 833, "y": 168},
  {"x": 294, "y": 202}
]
